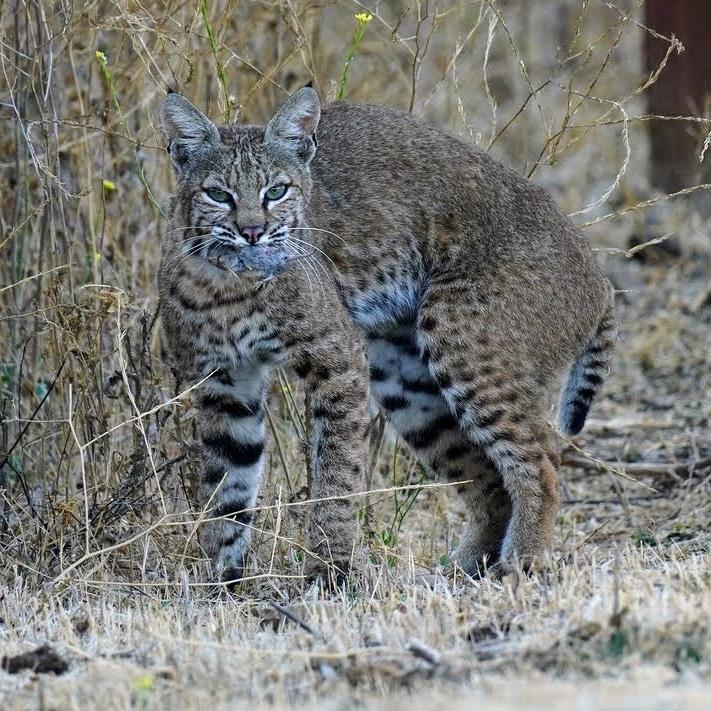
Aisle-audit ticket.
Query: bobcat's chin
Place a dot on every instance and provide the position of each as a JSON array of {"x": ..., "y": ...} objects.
[{"x": 265, "y": 259}]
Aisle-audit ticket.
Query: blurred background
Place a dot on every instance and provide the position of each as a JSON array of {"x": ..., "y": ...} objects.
[{"x": 595, "y": 100}]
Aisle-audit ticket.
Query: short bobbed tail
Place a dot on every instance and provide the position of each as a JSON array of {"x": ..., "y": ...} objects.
[{"x": 587, "y": 374}]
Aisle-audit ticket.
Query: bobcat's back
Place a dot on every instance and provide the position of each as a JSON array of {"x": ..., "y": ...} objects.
[{"x": 396, "y": 190}]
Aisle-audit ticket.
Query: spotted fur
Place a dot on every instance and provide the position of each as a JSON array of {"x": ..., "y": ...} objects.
[{"x": 474, "y": 294}]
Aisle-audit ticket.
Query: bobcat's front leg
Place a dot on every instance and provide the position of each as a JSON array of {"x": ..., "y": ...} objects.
[
  {"x": 231, "y": 424},
  {"x": 337, "y": 382}
]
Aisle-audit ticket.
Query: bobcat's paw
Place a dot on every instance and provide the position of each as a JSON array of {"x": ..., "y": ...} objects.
[
  {"x": 529, "y": 557},
  {"x": 334, "y": 575},
  {"x": 230, "y": 576},
  {"x": 476, "y": 562}
]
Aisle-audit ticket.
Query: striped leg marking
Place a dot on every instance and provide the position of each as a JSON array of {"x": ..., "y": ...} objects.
[
  {"x": 413, "y": 403},
  {"x": 232, "y": 432}
]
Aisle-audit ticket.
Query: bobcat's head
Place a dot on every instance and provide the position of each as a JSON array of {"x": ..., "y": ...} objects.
[{"x": 242, "y": 190}]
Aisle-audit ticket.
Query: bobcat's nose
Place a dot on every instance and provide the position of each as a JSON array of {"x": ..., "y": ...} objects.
[{"x": 252, "y": 233}]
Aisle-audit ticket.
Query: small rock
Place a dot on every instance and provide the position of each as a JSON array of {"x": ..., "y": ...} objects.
[
  {"x": 82, "y": 623},
  {"x": 43, "y": 660}
]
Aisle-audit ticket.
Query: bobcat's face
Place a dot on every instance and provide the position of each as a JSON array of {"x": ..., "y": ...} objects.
[
  {"x": 246, "y": 204},
  {"x": 243, "y": 191}
]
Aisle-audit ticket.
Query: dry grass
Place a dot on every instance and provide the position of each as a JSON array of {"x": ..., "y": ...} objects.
[{"x": 98, "y": 553}]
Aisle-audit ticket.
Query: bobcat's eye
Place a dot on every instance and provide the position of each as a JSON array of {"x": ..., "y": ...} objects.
[
  {"x": 276, "y": 192},
  {"x": 218, "y": 195}
]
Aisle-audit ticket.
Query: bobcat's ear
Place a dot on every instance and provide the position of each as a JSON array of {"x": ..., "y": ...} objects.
[
  {"x": 187, "y": 130},
  {"x": 293, "y": 127}
]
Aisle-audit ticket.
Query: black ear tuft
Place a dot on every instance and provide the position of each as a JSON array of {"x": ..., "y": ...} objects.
[{"x": 310, "y": 85}]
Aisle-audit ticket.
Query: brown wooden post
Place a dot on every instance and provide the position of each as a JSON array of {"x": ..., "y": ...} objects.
[{"x": 684, "y": 88}]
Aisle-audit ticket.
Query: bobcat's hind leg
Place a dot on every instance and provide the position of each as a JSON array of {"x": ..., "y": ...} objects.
[
  {"x": 489, "y": 507},
  {"x": 413, "y": 404},
  {"x": 495, "y": 400}
]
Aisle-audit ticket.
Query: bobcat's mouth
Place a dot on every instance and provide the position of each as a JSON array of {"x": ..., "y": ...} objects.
[{"x": 261, "y": 259}]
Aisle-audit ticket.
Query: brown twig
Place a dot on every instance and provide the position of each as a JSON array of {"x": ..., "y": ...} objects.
[{"x": 637, "y": 469}]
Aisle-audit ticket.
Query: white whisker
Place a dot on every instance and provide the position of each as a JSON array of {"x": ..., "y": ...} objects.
[
  {"x": 320, "y": 229},
  {"x": 185, "y": 252},
  {"x": 308, "y": 263},
  {"x": 296, "y": 239},
  {"x": 192, "y": 251}
]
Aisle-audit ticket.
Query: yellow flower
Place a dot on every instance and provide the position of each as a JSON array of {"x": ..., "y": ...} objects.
[
  {"x": 363, "y": 17},
  {"x": 144, "y": 682},
  {"x": 109, "y": 185},
  {"x": 101, "y": 58}
]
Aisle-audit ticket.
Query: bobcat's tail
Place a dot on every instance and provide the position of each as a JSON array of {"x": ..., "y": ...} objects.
[{"x": 586, "y": 375}]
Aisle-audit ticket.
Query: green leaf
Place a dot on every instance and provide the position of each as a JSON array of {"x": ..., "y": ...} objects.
[
  {"x": 387, "y": 538},
  {"x": 690, "y": 653},
  {"x": 678, "y": 536},
  {"x": 644, "y": 538},
  {"x": 15, "y": 463},
  {"x": 7, "y": 376},
  {"x": 617, "y": 644}
]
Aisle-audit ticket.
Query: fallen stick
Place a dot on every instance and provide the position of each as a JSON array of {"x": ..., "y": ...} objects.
[
  {"x": 425, "y": 652},
  {"x": 636, "y": 468},
  {"x": 296, "y": 620},
  {"x": 617, "y": 424}
]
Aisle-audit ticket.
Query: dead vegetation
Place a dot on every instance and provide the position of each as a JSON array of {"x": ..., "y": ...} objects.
[{"x": 98, "y": 549}]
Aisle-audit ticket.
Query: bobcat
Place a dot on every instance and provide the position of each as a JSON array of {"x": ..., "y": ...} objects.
[{"x": 450, "y": 287}]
